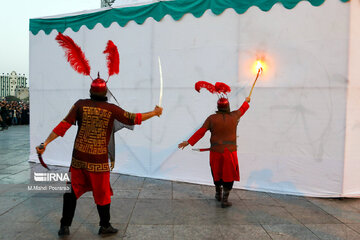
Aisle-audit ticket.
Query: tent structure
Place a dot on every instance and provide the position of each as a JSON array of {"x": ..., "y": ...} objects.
[{"x": 301, "y": 133}]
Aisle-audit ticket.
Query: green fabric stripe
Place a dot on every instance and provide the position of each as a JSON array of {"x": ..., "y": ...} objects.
[{"x": 176, "y": 9}]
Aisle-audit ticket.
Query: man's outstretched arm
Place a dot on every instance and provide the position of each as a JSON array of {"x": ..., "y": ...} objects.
[
  {"x": 244, "y": 107},
  {"x": 59, "y": 130}
]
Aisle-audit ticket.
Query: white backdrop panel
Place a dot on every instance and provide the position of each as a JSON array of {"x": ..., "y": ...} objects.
[
  {"x": 352, "y": 153},
  {"x": 290, "y": 141}
]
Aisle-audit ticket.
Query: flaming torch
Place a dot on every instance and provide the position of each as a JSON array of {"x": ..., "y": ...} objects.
[{"x": 259, "y": 69}]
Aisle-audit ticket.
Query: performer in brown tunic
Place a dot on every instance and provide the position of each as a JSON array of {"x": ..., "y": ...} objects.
[
  {"x": 90, "y": 170},
  {"x": 223, "y": 151}
]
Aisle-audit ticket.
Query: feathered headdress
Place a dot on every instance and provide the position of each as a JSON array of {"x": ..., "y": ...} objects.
[
  {"x": 113, "y": 58},
  {"x": 76, "y": 57},
  {"x": 74, "y": 54},
  {"x": 221, "y": 89}
]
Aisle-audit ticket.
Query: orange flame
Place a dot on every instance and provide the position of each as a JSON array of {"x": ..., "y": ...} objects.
[{"x": 258, "y": 67}]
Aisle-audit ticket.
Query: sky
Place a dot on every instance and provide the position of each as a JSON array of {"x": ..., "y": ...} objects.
[{"x": 14, "y": 26}]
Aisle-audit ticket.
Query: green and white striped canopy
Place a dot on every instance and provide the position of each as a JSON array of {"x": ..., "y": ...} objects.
[{"x": 157, "y": 10}]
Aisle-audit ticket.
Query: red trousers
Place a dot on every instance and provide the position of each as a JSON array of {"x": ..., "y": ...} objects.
[
  {"x": 83, "y": 181},
  {"x": 225, "y": 166}
]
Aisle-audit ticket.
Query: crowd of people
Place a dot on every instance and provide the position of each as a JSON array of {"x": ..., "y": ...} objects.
[{"x": 13, "y": 113}]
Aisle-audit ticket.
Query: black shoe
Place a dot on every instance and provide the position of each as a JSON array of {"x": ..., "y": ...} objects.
[
  {"x": 107, "y": 230},
  {"x": 225, "y": 202},
  {"x": 218, "y": 193},
  {"x": 64, "y": 231}
]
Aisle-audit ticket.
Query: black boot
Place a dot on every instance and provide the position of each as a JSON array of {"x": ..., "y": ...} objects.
[
  {"x": 107, "y": 230},
  {"x": 64, "y": 231},
  {"x": 104, "y": 214},
  {"x": 225, "y": 203},
  {"x": 218, "y": 193}
]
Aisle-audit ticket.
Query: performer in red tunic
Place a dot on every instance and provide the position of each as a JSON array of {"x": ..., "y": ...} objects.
[
  {"x": 223, "y": 153},
  {"x": 90, "y": 170}
]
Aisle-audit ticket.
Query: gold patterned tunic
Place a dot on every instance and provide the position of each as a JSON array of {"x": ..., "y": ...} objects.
[{"x": 95, "y": 121}]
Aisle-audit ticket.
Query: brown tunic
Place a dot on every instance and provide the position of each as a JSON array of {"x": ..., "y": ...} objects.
[{"x": 223, "y": 129}]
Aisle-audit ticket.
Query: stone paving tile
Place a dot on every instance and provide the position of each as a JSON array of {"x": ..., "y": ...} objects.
[
  {"x": 17, "y": 178},
  {"x": 289, "y": 232},
  {"x": 152, "y": 211},
  {"x": 271, "y": 214},
  {"x": 354, "y": 226},
  {"x": 243, "y": 232},
  {"x": 149, "y": 232},
  {"x": 352, "y": 202},
  {"x": 196, "y": 232},
  {"x": 4, "y": 175},
  {"x": 338, "y": 209},
  {"x": 90, "y": 231},
  {"x": 239, "y": 213},
  {"x": 312, "y": 215},
  {"x": 261, "y": 201},
  {"x": 157, "y": 184},
  {"x": 11, "y": 230},
  {"x": 114, "y": 177},
  {"x": 129, "y": 182},
  {"x": 195, "y": 211},
  {"x": 13, "y": 159},
  {"x": 155, "y": 194},
  {"x": 123, "y": 193},
  {"x": 209, "y": 212},
  {"x": 83, "y": 209},
  {"x": 246, "y": 194},
  {"x": 208, "y": 192},
  {"x": 187, "y": 191},
  {"x": 40, "y": 231},
  {"x": 14, "y": 169},
  {"x": 293, "y": 202},
  {"x": 156, "y": 189},
  {"x": 30, "y": 210},
  {"x": 120, "y": 210},
  {"x": 2, "y": 166},
  {"x": 307, "y": 212},
  {"x": 284, "y": 197},
  {"x": 7, "y": 203},
  {"x": 144, "y": 208},
  {"x": 4, "y": 187},
  {"x": 333, "y": 231}
]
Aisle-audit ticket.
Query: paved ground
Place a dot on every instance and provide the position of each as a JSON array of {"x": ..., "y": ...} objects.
[{"x": 145, "y": 208}]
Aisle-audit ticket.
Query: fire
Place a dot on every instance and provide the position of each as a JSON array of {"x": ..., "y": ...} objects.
[{"x": 258, "y": 67}]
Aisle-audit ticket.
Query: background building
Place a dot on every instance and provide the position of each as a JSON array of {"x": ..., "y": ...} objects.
[
  {"x": 13, "y": 84},
  {"x": 107, "y": 3}
]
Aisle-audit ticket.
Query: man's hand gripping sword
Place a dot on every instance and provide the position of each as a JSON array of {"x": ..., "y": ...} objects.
[{"x": 40, "y": 149}]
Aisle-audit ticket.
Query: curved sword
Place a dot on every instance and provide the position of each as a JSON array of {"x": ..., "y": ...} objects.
[
  {"x": 161, "y": 83},
  {"x": 41, "y": 146},
  {"x": 201, "y": 149}
]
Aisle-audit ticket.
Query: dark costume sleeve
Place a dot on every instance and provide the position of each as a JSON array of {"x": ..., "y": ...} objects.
[
  {"x": 126, "y": 117},
  {"x": 199, "y": 133},
  {"x": 69, "y": 120},
  {"x": 71, "y": 117}
]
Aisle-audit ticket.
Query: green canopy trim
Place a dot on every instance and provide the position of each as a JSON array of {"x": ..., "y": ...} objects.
[{"x": 176, "y": 9}]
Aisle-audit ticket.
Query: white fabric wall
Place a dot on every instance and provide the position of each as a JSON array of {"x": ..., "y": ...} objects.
[
  {"x": 291, "y": 140},
  {"x": 352, "y": 140}
]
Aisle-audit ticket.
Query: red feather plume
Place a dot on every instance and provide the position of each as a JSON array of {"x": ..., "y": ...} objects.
[
  {"x": 203, "y": 84},
  {"x": 222, "y": 88},
  {"x": 113, "y": 59},
  {"x": 74, "y": 54}
]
